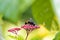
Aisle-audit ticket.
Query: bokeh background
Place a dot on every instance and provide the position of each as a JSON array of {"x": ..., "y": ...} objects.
[{"x": 45, "y": 13}]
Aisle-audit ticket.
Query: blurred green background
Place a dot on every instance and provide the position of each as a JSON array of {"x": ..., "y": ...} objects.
[{"x": 16, "y": 12}]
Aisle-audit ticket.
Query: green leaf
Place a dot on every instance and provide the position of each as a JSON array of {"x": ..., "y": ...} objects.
[
  {"x": 12, "y": 36},
  {"x": 57, "y": 37},
  {"x": 36, "y": 38},
  {"x": 20, "y": 38},
  {"x": 55, "y": 25},
  {"x": 16, "y": 37},
  {"x": 13, "y": 9},
  {"x": 43, "y": 13},
  {"x": 27, "y": 14}
]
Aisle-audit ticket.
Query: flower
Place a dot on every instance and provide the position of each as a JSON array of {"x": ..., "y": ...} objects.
[
  {"x": 30, "y": 27},
  {"x": 14, "y": 30}
]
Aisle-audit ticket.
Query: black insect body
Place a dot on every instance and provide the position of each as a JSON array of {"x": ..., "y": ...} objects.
[{"x": 30, "y": 22}]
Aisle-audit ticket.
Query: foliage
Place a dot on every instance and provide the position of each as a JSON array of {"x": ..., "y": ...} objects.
[
  {"x": 57, "y": 37},
  {"x": 44, "y": 14},
  {"x": 36, "y": 38},
  {"x": 19, "y": 10},
  {"x": 19, "y": 37},
  {"x": 12, "y": 9}
]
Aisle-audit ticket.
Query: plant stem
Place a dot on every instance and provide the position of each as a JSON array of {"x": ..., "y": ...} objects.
[{"x": 27, "y": 35}]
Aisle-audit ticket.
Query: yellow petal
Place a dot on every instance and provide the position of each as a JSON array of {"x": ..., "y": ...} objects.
[{"x": 42, "y": 31}]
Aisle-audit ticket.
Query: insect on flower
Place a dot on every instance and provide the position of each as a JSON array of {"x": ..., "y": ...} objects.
[{"x": 30, "y": 25}]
